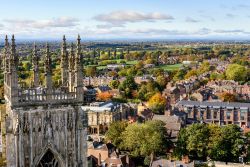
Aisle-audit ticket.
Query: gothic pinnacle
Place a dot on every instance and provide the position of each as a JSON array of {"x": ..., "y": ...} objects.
[{"x": 6, "y": 41}]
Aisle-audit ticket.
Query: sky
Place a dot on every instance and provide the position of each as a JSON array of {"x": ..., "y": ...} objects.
[{"x": 126, "y": 19}]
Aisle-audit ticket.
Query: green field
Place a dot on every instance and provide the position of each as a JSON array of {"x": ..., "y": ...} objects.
[
  {"x": 169, "y": 67},
  {"x": 131, "y": 62}
]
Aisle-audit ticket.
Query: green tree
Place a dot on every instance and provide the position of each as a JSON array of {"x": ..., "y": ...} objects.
[
  {"x": 114, "y": 133},
  {"x": 162, "y": 81},
  {"x": 145, "y": 139},
  {"x": 27, "y": 66},
  {"x": 219, "y": 143},
  {"x": 197, "y": 140},
  {"x": 231, "y": 144},
  {"x": 181, "y": 144},
  {"x": 236, "y": 72},
  {"x": 191, "y": 73},
  {"x": 114, "y": 84},
  {"x": 180, "y": 75},
  {"x": 215, "y": 149},
  {"x": 193, "y": 141},
  {"x": 128, "y": 85},
  {"x": 205, "y": 67},
  {"x": 90, "y": 71}
]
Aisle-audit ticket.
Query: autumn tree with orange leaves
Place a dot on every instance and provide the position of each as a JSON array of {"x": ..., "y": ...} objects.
[
  {"x": 157, "y": 103},
  {"x": 104, "y": 96}
]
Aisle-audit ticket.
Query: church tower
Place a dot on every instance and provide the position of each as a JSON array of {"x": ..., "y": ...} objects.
[{"x": 45, "y": 126}]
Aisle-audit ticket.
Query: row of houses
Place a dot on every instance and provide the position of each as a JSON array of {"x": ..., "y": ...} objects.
[
  {"x": 229, "y": 86},
  {"x": 221, "y": 113}
]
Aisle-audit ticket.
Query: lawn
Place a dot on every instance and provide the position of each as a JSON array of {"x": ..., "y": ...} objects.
[
  {"x": 169, "y": 67},
  {"x": 131, "y": 62}
]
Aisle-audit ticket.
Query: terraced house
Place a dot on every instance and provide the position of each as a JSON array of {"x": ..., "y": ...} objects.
[{"x": 221, "y": 113}]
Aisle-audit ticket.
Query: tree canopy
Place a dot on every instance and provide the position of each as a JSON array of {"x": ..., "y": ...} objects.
[
  {"x": 157, "y": 103},
  {"x": 221, "y": 143},
  {"x": 236, "y": 72},
  {"x": 144, "y": 139}
]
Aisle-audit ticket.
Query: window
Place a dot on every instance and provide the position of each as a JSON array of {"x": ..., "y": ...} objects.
[
  {"x": 236, "y": 115},
  {"x": 208, "y": 114},
  {"x": 242, "y": 116},
  {"x": 215, "y": 114},
  {"x": 228, "y": 114},
  {"x": 201, "y": 114}
]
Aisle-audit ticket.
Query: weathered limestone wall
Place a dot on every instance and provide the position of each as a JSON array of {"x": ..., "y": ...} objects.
[{"x": 32, "y": 131}]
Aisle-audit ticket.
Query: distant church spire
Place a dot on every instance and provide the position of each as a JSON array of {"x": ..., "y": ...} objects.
[
  {"x": 64, "y": 62},
  {"x": 35, "y": 63}
]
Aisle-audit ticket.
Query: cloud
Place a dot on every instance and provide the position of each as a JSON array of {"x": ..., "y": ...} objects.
[
  {"x": 40, "y": 24},
  {"x": 230, "y": 15},
  {"x": 207, "y": 17},
  {"x": 149, "y": 32},
  {"x": 108, "y": 25},
  {"x": 165, "y": 33},
  {"x": 1, "y": 26},
  {"x": 191, "y": 20},
  {"x": 243, "y": 6},
  {"x": 235, "y": 31},
  {"x": 240, "y": 7},
  {"x": 123, "y": 17}
]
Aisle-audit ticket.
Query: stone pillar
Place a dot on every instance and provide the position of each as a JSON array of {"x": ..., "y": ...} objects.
[
  {"x": 20, "y": 142},
  {"x": 31, "y": 139},
  {"x": 66, "y": 137}
]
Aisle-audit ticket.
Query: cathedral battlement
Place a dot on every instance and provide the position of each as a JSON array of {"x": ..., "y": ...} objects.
[
  {"x": 71, "y": 90},
  {"x": 40, "y": 96}
]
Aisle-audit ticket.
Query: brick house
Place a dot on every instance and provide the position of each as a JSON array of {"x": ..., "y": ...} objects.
[{"x": 221, "y": 113}]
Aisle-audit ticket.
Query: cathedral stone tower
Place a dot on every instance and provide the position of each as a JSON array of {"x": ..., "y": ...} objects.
[{"x": 44, "y": 126}]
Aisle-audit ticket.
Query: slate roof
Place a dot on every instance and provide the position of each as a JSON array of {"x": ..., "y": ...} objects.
[
  {"x": 168, "y": 163},
  {"x": 221, "y": 104},
  {"x": 104, "y": 88},
  {"x": 172, "y": 122},
  {"x": 101, "y": 106}
]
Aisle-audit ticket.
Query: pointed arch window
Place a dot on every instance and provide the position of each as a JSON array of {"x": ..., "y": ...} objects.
[{"x": 48, "y": 160}]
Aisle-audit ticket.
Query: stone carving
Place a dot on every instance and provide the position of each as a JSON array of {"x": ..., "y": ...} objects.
[
  {"x": 26, "y": 124},
  {"x": 28, "y": 108},
  {"x": 48, "y": 129},
  {"x": 70, "y": 121},
  {"x": 9, "y": 125}
]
